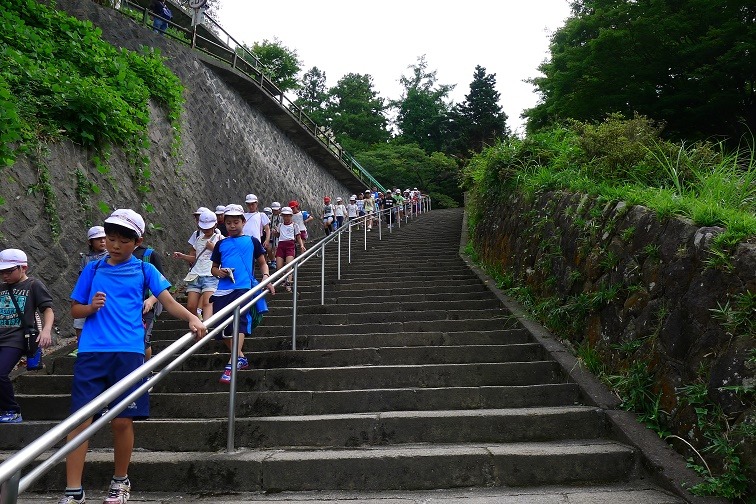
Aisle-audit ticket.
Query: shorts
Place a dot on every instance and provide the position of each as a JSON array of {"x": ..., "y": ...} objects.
[
  {"x": 78, "y": 323},
  {"x": 95, "y": 372},
  {"x": 286, "y": 249},
  {"x": 203, "y": 284},
  {"x": 247, "y": 322},
  {"x": 328, "y": 220}
]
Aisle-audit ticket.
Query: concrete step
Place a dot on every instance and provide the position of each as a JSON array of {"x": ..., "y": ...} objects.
[
  {"x": 356, "y": 357},
  {"x": 379, "y": 317},
  {"x": 634, "y": 492},
  {"x": 347, "y": 430},
  {"x": 268, "y": 403},
  {"x": 338, "y": 378},
  {"x": 408, "y": 467},
  {"x": 370, "y": 339},
  {"x": 358, "y": 304}
]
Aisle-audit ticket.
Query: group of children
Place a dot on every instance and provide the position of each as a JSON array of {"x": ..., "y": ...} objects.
[
  {"x": 369, "y": 203},
  {"x": 120, "y": 288}
]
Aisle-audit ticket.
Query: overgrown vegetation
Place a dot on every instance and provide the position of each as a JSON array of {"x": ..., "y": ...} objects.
[
  {"x": 608, "y": 162},
  {"x": 58, "y": 78}
]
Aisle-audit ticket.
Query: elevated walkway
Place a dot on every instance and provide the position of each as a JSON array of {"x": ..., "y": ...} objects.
[{"x": 413, "y": 382}]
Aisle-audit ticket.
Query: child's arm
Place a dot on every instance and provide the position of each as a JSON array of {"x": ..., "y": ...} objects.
[
  {"x": 263, "y": 265},
  {"x": 45, "y": 336},
  {"x": 186, "y": 257},
  {"x": 174, "y": 308},
  {"x": 79, "y": 310}
]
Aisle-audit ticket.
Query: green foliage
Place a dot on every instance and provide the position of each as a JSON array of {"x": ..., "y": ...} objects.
[
  {"x": 689, "y": 64},
  {"x": 280, "y": 64},
  {"x": 635, "y": 386},
  {"x": 312, "y": 94},
  {"x": 65, "y": 80},
  {"x": 356, "y": 113}
]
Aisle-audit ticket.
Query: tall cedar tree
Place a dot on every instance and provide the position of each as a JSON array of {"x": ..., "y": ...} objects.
[
  {"x": 312, "y": 94},
  {"x": 356, "y": 113},
  {"x": 479, "y": 121},
  {"x": 422, "y": 110},
  {"x": 689, "y": 64}
]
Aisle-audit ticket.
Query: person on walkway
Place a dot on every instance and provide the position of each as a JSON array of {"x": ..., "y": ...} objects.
[
  {"x": 21, "y": 297},
  {"x": 328, "y": 218},
  {"x": 110, "y": 295},
  {"x": 301, "y": 217},
  {"x": 200, "y": 282},
  {"x": 388, "y": 205},
  {"x": 219, "y": 225},
  {"x": 352, "y": 209},
  {"x": 161, "y": 15},
  {"x": 369, "y": 205},
  {"x": 339, "y": 213},
  {"x": 290, "y": 234},
  {"x": 97, "y": 251},
  {"x": 275, "y": 223},
  {"x": 233, "y": 260},
  {"x": 151, "y": 307},
  {"x": 257, "y": 224}
]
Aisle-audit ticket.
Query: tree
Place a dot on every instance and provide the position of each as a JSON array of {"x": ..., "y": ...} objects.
[
  {"x": 281, "y": 64},
  {"x": 480, "y": 120},
  {"x": 408, "y": 166},
  {"x": 312, "y": 94},
  {"x": 422, "y": 109},
  {"x": 355, "y": 113},
  {"x": 689, "y": 64}
]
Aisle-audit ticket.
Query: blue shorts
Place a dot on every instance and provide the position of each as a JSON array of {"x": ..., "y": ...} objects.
[
  {"x": 247, "y": 321},
  {"x": 203, "y": 284},
  {"x": 94, "y": 372}
]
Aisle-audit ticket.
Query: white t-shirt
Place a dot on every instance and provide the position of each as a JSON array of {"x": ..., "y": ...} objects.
[
  {"x": 202, "y": 262},
  {"x": 352, "y": 210},
  {"x": 193, "y": 237},
  {"x": 298, "y": 218},
  {"x": 339, "y": 210},
  {"x": 255, "y": 224},
  {"x": 289, "y": 232}
]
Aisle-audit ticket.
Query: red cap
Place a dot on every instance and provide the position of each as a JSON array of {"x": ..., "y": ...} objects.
[
  {"x": 293, "y": 203},
  {"x": 327, "y": 199}
]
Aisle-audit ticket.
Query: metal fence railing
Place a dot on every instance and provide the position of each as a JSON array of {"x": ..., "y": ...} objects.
[
  {"x": 12, "y": 480},
  {"x": 210, "y": 41}
]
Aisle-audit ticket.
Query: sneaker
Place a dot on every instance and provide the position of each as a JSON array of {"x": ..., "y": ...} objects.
[
  {"x": 11, "y": 417},
  {"x": 242, "y": 363},
  {"x": 67, "y": 499},
  {"x": 119, "y": 492},
  {"x": 226, "y": 376}
]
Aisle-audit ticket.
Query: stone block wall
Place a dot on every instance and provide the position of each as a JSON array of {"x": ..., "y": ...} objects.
[
  {"x": 663, "y": 294},
  {"x": 228, "y": 149}
]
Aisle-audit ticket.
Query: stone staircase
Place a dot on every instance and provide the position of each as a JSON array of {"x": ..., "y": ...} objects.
[{"x": 411, "y": 377}]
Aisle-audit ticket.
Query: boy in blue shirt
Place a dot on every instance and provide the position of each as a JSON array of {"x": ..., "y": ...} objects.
[
  {"x": 233, "y": 262},
  {"x": 109, "y": 295}
]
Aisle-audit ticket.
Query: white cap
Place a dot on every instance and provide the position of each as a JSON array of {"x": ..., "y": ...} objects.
[
  {"x": 275, "y": 205},
  {"x": 367, "y": 191},
  {"x": 352, "y": 197},
  {"x": 268, "y": 210},
  {"x": 10, "y": 258},
  {"x": 200, "y": 210},
  {"x": 287, "y": 211},
  {"x": 220, "y": 209},
  {"x": 234, "y": 210},
  {"x": 339, "y": 199},
  {"x": 398, "y": 191},
  {"x": 250, "y": 198},
  {"x": 127, "y": 218},
  {"x": 95, "y": 232},
  {"x": 207, "y": 219},
  {"x": 414, "y": 189}
]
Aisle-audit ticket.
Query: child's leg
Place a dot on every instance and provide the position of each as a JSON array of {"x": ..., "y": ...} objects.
[
  {"x": 192, "y": 301},
  {"x": 75, "y": 460},
  {"x": 207, "y": 305},
  {"x": 230, "y": 341},
  {"x": 123, "y": 445}
]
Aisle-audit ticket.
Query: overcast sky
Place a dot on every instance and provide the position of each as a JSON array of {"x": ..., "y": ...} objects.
[{"x": 509, "y": 38}]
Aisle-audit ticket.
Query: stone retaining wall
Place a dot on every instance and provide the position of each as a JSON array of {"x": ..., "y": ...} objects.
[
  {"x": 228, "y": 149},
  {"x": 663, "y": 291}
]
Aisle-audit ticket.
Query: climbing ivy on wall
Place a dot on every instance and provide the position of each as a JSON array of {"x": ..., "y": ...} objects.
[{"x": 59, "y": 79}]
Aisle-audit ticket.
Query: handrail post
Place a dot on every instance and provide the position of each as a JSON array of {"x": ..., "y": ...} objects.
[
  {"x": 294, "y": 309},
  {"x": 338, "y": 276},
  {"x": 9, "y": 490},
  {"x": 380, "y": 231},
  {"x": 322, "y": 276},
  {"x": 390, "y": 217},
  {"x": 364, "y": 229},
  {"x": 232, "y": 392},
  {"x": 349, "y": 247}
]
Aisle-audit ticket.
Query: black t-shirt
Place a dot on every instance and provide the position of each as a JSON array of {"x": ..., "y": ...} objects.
[
  {"x": 31, "y": 295},
  {"x": 388, "y": 202}
]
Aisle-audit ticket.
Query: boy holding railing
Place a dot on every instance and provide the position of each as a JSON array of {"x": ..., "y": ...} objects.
[{"x": 109, "y": 295}]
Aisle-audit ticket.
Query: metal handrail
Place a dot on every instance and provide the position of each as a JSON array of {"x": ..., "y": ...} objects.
[
  {"x": 243, "y": 60},
  {"x": 11, "y": 482}
]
